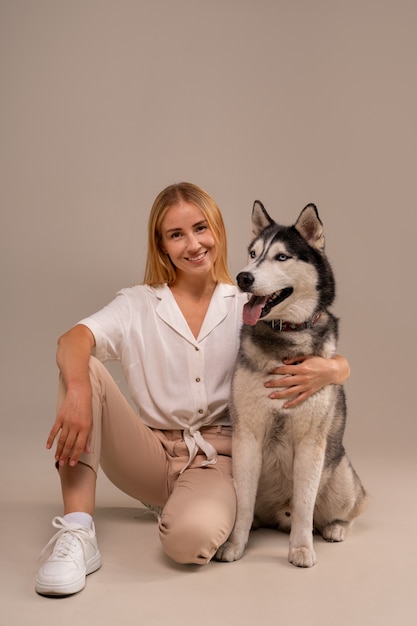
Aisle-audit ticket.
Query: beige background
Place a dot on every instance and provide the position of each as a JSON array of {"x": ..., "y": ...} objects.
[{"x": 103, "y": 104}]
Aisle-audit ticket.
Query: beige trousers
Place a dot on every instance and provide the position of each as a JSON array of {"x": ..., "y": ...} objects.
[{"x": 199, "y": 505}]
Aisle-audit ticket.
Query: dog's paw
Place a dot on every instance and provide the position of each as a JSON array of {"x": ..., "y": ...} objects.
[
  {"x": 229, "y": 552},
  {"x": 336, "y": 531},
  {"x": 302, "y": 557}
]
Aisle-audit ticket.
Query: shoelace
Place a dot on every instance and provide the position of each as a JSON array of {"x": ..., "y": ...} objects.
[{"x": 67, "y": 538}]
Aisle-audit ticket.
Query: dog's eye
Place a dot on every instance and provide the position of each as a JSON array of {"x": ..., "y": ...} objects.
[
  {"x": 252, "y": 254},
  {"x": 282, "y": 257}
]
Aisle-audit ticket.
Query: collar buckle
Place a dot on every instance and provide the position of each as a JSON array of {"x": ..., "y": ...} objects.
[{"x": 284, "y": 326}]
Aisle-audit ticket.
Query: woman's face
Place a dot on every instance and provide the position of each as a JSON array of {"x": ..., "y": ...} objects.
[{"x": 188, "y": 240}]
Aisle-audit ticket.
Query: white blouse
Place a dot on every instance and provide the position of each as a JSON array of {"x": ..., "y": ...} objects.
[{"x": 175, "y": 380}]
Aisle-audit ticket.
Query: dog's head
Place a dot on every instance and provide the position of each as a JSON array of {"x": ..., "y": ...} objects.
[{"x": 288, "y": 274}]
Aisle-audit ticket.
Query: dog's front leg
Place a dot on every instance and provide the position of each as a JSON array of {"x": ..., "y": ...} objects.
[
  {"x": 307, "y": 469},
  {"x": 247, "y": 463}
]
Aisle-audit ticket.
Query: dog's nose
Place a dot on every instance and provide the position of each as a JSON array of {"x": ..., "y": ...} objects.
[{"x": 245, "y": 280}]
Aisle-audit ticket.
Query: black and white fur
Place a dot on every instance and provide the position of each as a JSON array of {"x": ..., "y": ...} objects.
[{"x": 290, "y": 467}]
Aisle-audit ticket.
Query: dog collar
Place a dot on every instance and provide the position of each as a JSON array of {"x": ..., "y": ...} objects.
[{"x": 282, "y": 326}]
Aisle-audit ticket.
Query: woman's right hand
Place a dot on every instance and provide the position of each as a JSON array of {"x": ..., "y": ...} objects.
[
  {"x": 72, "y": 427},
  {"x": 74, "y": 421}
]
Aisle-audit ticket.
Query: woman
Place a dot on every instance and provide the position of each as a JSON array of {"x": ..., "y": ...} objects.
[{"x": 176, "y": 337}]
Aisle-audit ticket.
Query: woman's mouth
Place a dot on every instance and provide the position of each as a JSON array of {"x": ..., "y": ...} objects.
[{"x": 197, "y": 258}]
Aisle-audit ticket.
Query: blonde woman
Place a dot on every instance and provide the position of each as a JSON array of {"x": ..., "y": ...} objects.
[{"x": 176, "y": 336}]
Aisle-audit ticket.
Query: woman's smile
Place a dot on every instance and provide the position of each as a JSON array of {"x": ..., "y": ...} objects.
[{"x": 196, "y": 259}]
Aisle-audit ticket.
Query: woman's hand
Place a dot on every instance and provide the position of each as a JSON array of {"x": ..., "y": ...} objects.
[
  {"x": 72, "y": 426},
  {"x": 300, "y": 377},
  {"x": 74, "y": 420}
]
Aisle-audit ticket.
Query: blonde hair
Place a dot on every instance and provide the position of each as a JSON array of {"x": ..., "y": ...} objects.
[{"x": 159, "y": 268}]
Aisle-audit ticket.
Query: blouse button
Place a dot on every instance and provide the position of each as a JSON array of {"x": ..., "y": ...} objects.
[
  {"x": 197, "y": 380},
  {"x": 200, "y": 411}
]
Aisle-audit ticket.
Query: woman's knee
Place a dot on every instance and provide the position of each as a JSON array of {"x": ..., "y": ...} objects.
[
  {"x": 195, "y": 534},
  {"x": 97, "y": 369},
  {"x": 102, "y": 382}
]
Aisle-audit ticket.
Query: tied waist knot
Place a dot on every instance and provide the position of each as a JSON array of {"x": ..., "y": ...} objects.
[{"x": 195, "y": 442}]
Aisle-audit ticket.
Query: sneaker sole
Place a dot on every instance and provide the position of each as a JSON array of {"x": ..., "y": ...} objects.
[{"x": 69, "y": 589}]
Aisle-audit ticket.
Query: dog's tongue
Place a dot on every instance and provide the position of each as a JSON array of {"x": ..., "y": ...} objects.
[{"x": 252, "y": 309}]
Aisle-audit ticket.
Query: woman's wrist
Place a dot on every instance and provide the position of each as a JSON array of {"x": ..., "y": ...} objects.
[{"x": 341, "y": 369}]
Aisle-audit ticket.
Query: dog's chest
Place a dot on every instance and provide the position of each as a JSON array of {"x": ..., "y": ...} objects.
[
  {"x": 254, "y": 411},
  {"x": 263, "y": 348},
  {"x": 257, "y": 358}
]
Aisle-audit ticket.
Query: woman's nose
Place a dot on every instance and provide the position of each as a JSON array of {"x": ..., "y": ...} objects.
[{"x": 192, "y": 242}]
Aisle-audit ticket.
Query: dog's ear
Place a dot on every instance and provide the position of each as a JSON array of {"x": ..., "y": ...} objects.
[
  {"x": 310, "y": 227},
  {"x": 260, "y": 218}
]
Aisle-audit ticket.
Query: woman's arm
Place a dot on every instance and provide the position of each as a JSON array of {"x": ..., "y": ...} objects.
[
  {"x": 74, "y": 418},
  {"x": 303, "y": 376}
]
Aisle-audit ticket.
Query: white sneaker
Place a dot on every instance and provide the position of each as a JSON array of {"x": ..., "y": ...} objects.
[{"x": 74, "y": 556}]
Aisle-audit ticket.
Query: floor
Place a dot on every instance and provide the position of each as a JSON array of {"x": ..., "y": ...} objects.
[{"x": 368, "y": 580}]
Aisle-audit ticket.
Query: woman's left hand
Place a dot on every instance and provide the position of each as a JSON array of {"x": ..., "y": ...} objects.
[{"x": 300, "y": 377}]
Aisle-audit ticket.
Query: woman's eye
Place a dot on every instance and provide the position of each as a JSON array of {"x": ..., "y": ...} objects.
[{"x": 201, "y": 228}]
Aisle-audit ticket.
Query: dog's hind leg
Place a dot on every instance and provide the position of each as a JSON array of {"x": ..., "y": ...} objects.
[
  {"x": 335, "y": 531},
  {"x": 339, "y": 502},
  {"x": 247, "y": 463}
]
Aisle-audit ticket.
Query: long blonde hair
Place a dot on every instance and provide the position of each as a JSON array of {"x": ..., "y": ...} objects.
[{"x": 159, "y": 268}]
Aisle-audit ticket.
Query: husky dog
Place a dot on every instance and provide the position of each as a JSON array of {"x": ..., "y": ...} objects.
[{"x": 289, "y": 464}]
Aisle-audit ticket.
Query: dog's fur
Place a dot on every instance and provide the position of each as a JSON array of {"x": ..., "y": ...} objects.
[{"x": 290, "y": 467}]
